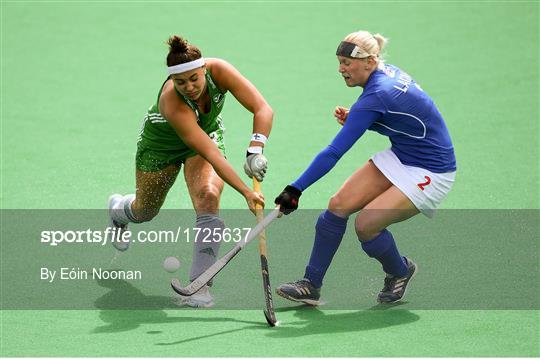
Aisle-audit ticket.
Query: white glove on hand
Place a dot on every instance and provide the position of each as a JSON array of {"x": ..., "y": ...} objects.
[{"x": 255, "y": 166}]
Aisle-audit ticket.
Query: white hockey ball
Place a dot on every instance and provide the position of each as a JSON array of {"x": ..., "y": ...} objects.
[{"x": 171, "y": 264}]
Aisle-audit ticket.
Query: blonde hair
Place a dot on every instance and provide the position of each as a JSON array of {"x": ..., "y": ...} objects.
[{"x": 370, "y": 44}]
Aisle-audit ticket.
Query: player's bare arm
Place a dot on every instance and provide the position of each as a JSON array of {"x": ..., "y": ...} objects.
[
  {"x": 184, "y": 121},
  {"x": 230, "y": 79}
]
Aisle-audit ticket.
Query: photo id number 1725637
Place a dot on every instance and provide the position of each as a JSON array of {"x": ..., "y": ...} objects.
[{"x": 208, "y": 235}]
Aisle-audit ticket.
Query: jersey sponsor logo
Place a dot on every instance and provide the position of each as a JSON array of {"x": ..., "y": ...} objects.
[
  {"x": 390, "y": 72},
  {"x": 424, "y": 184},
  {"x": 218, "y": 98},
  {"x": 214, "y": 137}
]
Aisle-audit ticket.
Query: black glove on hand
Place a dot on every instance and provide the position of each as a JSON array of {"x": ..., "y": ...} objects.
[{"x": 288, "y": 199}]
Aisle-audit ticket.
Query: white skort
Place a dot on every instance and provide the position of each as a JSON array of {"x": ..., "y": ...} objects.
[{"x": 425, "y": 189}]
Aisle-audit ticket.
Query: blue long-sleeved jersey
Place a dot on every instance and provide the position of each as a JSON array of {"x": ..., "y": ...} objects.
[{"x": 394, "y": 105}]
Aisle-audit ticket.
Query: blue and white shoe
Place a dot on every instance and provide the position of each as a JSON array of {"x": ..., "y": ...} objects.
[
  {"x": 300, "y": 291},
  {"x": 114, "y": 201},
  {"x": 395, "y": 287}
]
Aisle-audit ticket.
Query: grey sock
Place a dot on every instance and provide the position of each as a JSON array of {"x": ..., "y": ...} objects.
[{"x": 206, "y": 247}]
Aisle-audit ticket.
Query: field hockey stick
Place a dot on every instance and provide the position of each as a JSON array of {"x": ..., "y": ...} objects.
[
  {"x": 215, "y": 268},
  {"x": 269, "y": 312}
]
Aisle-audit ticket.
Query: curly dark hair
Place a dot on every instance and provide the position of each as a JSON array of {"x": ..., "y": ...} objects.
[{"x": 180, "y": 51}]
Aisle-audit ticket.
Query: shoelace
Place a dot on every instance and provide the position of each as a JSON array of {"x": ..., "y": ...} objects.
[{"x": 387, "y": 283}]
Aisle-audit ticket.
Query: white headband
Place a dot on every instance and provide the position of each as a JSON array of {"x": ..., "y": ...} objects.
[{"x": 187, "y": 66}]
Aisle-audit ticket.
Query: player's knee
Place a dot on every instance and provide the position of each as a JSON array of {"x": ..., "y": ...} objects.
[
  {"x": 207, "y": 199},
  {"x": 339, "y": 205},
  {"x": 335, "y": 202},
  {"x": 366, "y": 228}
]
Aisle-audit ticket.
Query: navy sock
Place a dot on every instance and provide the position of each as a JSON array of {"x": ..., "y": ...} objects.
[
  {"x": 328, "y": 235},
  {"x": 383, "y": 248}
]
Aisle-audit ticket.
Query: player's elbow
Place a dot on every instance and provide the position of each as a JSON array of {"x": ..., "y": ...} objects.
[
  {"x": 333, "y": 153},
  {"x": 265, "y": 112}
]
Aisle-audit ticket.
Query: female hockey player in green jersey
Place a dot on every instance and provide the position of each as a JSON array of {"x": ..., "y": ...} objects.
[{"x": 184, "y": 127}]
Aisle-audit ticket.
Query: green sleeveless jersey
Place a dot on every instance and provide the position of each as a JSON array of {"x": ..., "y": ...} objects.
[{"x": 158, "y": 134}]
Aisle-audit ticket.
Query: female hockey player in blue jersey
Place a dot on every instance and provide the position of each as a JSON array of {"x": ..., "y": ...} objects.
[{"x": 412, "y": 176}]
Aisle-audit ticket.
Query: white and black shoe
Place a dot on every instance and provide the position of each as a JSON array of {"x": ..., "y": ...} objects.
[
  {"x": 395, "y": 287},
  {"x": 300, "y": 291}
]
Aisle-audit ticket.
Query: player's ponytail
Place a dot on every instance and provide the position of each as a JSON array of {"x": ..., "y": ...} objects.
[
  {"x": 177, "y": 44},
  {"x": 381, "y": 41},
  {"x": 180, "y": 51}
]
